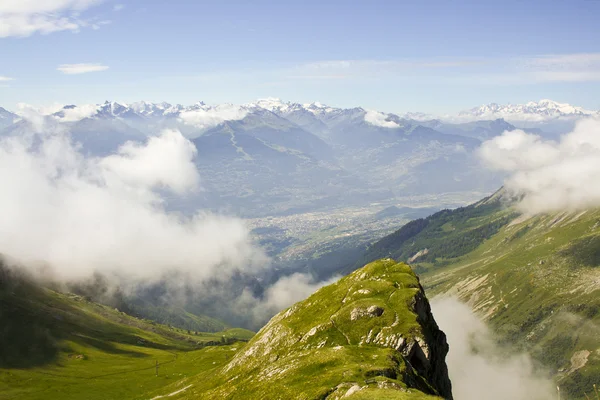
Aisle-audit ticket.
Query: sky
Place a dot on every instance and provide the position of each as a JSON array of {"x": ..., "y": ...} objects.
[{"x": 394, "y": 56}]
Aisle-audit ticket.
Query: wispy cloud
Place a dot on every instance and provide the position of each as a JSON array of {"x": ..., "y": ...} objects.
[
  {"x": 579, "y": 67},
  {"x": 118, "y": 7},
  {"x": 27, "y": 17},
  {"x": 72, "y": 69},
  {"x": 551, "y": 175},
  {"x": 346, "y": 69},
  {"x": 5, "y": 79}
]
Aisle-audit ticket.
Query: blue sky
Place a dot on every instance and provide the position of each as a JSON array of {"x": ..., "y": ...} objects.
[{"x": 395, "y": 56}]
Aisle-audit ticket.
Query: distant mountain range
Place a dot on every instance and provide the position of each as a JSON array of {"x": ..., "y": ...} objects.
[
  {"x": 270, "y": 156},
  {"x": 530, "y": 112},
  {"x": 541, "y": 111}
]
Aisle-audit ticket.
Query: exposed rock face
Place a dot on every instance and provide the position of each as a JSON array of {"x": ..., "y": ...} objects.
[{"x": 371, "y": 332}]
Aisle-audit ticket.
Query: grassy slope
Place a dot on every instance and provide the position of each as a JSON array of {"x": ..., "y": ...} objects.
[
  {"x": 178, "y": 317},
  {"x": 315, "y": 349},
  {"x": 538, "y": 283},
  {"x": 535, "y": 280},
  {"x": 59, "y": 346},
  {"x": 442, "y": 236}
]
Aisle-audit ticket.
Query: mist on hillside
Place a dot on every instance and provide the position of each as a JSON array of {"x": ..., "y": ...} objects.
[
  {"x": 479, "y": 368},
  {"x": 101, "y": 224},
  {"x": 551, "y": 175}
]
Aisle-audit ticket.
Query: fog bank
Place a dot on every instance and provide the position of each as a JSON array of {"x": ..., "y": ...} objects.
[{"x": 478, "y": 367}]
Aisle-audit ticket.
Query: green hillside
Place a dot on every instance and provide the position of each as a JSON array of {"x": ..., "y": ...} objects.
[
  {"x": 434, "y": 241},
  {"x": 370, "y": 335},
  {"x": 176, "y": 316},
  {"x": 535, "y": 280},
  {"x": 59, "y": 346}
]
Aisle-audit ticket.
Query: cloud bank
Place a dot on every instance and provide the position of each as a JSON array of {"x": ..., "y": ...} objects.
[
  {"x": 285, "y": 292},
  {"x": 551, "y": 175},
  {"x": 76, "y": 113},
  {"x": 478, "y": 368},
  {"x": 74, "y": 69},
  {"x": 79, "y": 215},
  {"x": 206, "y": 117},
  {"x": 377, "y": 118}
]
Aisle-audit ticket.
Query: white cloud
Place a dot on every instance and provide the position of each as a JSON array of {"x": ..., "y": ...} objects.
[
  {"x": 551, "y": 175},
  {"x": 23, "y": 18},
  {"x": 285, "y": 292},
  {"x": 207, "y": 117},
  {"x": 79, "y": 214},
  {"x": 70, "y": 114},
  {"x": 72, "y": 69},
  {"x": 118, "y": 7},
  {"x": 164, "y": 161},
  {"x": 379, "y": 119},
  {"x": 24, "y": 108},
  {"x": 5, "y": 79},
  {"x": 76, "y": 113},
  {"x": 291, "y": 289},
  {"x": 480, "y": 369}
]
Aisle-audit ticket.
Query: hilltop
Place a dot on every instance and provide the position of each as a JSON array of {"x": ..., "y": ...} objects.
[{"x": 369, "y": 335}]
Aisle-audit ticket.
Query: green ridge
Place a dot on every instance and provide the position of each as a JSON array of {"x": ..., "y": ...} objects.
[{"x": 370, "y": 335}]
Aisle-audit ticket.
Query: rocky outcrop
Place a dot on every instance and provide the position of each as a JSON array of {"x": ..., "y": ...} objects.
[{"x": 371, "y": 331}]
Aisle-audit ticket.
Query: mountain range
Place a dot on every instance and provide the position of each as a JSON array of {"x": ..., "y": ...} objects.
[
  {"x": 270, "y": 157},
  {"x": 532, "y": 111}
]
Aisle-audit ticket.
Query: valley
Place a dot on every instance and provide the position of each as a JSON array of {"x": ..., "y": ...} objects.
[
  {"x": 299, "y": 200},
  {"x": 306, "y": 197}
]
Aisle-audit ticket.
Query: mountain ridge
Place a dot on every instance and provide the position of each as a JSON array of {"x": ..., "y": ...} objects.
[
  {"x": 539, "y": 111},
  {"x": 369, "y": 335}
]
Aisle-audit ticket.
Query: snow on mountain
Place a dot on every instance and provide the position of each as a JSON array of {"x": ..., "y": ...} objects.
[
  {"x": 148, "y": 109},
  {"x": 418, "y": 116},
  {"x": 7, "y": 118},
  {"x": 319, "y": 108},
  {"x": 540, "y": 111},
  {"x": 278, "y": 106},
  {"x": 315, "y": 117},
  {"x": 272, "y": 104}
]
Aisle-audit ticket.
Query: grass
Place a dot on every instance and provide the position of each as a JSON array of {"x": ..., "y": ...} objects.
[
  {"x": 535, "y": 280},
  {"x": 596, "y": 394},
  {"x": 62, "y": 346},
  {"x": 321, "y": 347},
  {"x": 102, "y": 375}
]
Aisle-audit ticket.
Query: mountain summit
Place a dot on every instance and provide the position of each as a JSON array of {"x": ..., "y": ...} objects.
[{"x": 370, "y": 335}]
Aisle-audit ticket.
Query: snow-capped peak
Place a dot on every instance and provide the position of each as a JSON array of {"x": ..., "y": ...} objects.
[
  {"x": 6, "y": 115},
  {"x": 271, "y": 104},
  {"x": 319, "y": 108},
  {"x": 147, "y": 108},
  {"x": 544, "y": 109}
]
